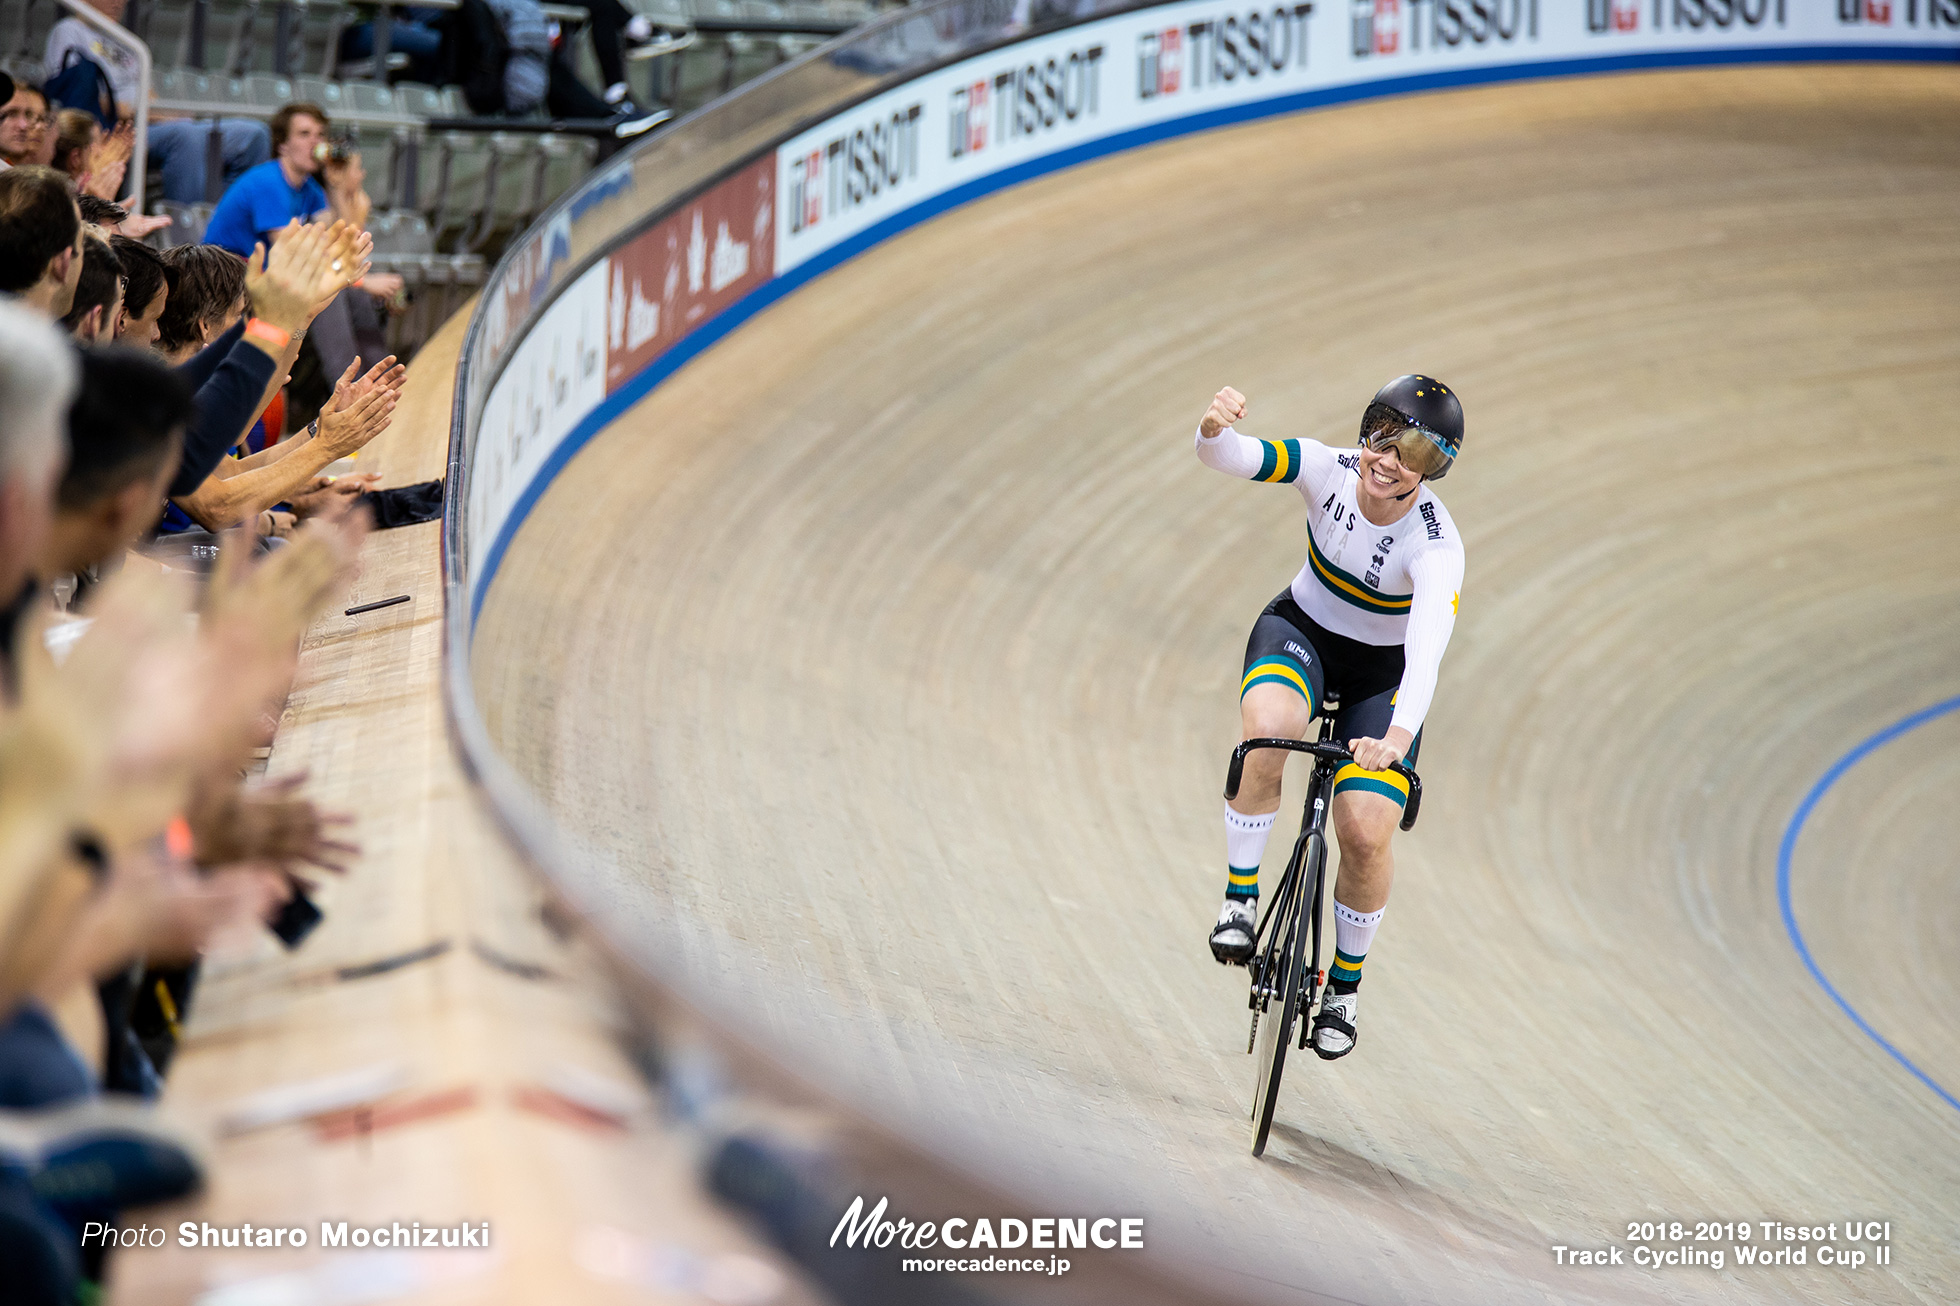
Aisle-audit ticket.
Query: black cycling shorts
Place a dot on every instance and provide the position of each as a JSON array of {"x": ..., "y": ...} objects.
[{"x": 1287, "y": 647}]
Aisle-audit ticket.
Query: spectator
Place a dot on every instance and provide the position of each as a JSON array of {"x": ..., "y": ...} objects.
[
  {"x": 611, "y": 20},
  {"x": 40, "y": 239},
  {"x": 26, "y": 127},
  {"x": 125, "y": 434},
  {"x": 37, "y": 377},
  {"x": 94, "y": 160},
  {"x": 177, "y": 145},
  {"x": 122, "y": 454},
  {"x": 207, "y": 298},
  {"x": 259, "y": 206},
  {"x": 415, "y": 32},
  {"x": 98, "y": 302},
  {"x": 263, "y": 200},
  {"x": 146, "y": 292},
  {"x": 306, "y": 269},
  {"x": 538, "y": 73},
  {"x": 95, "y": 756},
  {"x": 116, "y": 220}
]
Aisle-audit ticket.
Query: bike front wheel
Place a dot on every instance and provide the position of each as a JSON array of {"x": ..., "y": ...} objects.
[{"x": 1282, "y": 1009}]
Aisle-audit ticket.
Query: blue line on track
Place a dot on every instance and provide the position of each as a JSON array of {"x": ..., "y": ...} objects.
[{"x": 1786, "y": 853}]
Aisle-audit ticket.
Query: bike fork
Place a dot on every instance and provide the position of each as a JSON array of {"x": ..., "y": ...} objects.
[{"x": 1267, "y": 961}]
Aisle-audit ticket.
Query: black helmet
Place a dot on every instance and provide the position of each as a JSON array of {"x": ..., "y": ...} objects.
[{"x": 1419, "y": 415}]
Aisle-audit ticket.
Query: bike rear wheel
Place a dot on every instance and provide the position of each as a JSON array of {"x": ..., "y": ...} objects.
[{"x": 1283, "y": 1008}]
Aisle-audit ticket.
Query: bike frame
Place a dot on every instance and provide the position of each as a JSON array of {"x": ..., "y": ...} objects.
[{"x": 1279, "y": 954}]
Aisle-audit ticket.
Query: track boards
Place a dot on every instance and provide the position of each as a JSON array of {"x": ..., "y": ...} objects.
[{"x": 893, "y": 641}]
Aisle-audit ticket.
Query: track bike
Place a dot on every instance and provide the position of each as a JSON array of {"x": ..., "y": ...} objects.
[{"x": 1286, "y": 977}]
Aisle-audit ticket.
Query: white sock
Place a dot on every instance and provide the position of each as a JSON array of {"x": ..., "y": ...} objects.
[
  {"x": 1353, "y": 932},
  {"x": 1245, "y": 844},
  {"x": 616, "y": 92},
  {"x": 639, "y": 28}
]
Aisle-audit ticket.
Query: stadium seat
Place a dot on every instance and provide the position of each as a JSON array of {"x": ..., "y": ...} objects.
[
  {"x": 269, "y": 90},
  {"x": 317, "y": 90},
  {"x": 187, "y": 223},
  {"x": 517, "y": 165},
  {"x": 371, "y": 99},
  {"x": 418, "y": 101}
]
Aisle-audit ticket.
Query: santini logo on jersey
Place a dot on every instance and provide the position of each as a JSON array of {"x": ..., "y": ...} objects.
[{"x": 1429, "y": 522}]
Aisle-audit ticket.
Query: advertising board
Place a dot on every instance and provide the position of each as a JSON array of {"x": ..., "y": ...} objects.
[
  {"x": 1171, "y": 68},
  {"x": 1024, "y": 108}
]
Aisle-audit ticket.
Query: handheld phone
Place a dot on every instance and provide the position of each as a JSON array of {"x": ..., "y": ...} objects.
[{"x": 296, "y": 919}]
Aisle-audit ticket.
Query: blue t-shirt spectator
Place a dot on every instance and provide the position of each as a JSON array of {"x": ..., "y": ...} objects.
[{"x": 260, "y": 201}]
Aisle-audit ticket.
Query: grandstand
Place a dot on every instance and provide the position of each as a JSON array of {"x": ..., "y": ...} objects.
[{"x": 450, "y": 188}]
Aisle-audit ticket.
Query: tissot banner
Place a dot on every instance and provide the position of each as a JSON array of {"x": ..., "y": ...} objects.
[
  {"x": 1042, "y": 103},
  {"x": 1151, "y": 68}
]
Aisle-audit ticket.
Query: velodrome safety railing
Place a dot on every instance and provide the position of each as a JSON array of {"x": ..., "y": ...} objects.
[{"x": 670, "y": 246}]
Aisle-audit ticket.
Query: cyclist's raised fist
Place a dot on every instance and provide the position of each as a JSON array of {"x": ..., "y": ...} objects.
[{"x": 1227, "y": 407}]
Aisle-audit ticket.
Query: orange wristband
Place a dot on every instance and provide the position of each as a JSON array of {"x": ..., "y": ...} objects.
[
  {"x": 177, "y": 838},
  {"x": 269, "y": 333}
]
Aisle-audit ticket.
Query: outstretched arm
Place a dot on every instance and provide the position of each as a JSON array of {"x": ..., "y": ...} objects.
[
  {"x": 1286, "y": 462},
  {"x": 357, "y": 413}
]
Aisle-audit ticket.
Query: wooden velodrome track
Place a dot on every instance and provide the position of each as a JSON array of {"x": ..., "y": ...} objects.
[{"x": 892, "y": 645}]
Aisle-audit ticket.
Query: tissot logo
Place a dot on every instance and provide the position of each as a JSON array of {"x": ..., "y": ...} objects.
[
  {"x": 967, "y": 121},
  {"x": 1901, "y": 13},
  {"x": 1160, "y": 63},
  {"x": 1217, "y": 51},
  {"x": 1613, "y": 16},
  {"x": 854, "y": 167},
  {"x": 1025, "y": 100},
  {"x": 1385, "y": 27}
]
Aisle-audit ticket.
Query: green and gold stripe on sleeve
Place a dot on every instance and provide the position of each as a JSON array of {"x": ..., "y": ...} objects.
[
  {"x": 1350, "y": 587},
  {"x": 1279, "y": 462}
]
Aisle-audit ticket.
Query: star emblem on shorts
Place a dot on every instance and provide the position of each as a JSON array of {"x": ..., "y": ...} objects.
[{"x": 1453, "y": 597}]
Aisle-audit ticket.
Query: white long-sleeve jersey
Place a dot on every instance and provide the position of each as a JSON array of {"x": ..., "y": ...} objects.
[{"x": 1383, "y": 585}]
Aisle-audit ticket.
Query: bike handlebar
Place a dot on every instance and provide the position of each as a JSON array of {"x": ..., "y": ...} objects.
[{"x": 1326, "y": 752}]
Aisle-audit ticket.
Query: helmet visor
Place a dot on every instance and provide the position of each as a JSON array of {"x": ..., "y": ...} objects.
[{"x": 1416, "y": 447}]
